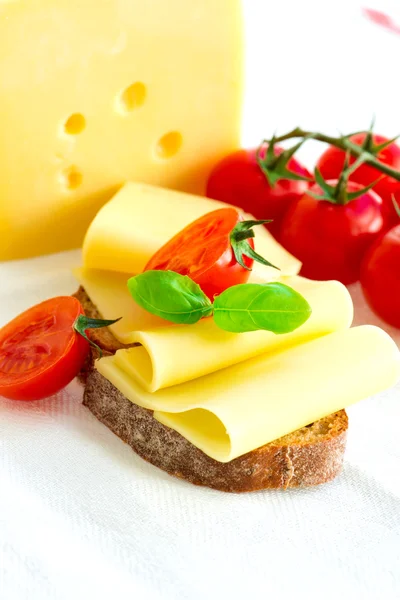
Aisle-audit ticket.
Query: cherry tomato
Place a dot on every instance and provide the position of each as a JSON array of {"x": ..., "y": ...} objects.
[
  {"x": 380, "y": 276},
  {"x": 40, "y": 351},
  {"x": 331, "y": 239},
  {"x": 203, "y": 251},
  {"x": 238, "y": 180},
  {"x": 331, "y": 164}
]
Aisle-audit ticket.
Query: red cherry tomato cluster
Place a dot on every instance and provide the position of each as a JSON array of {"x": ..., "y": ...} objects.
[{"x": 350, "y": 235}]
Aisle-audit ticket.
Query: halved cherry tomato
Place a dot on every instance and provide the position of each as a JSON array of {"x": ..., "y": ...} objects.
[
  {"x": 203, "y": 251},
  {"x": 380, "y": 276},
  {"x": 40, "y": 351},
  {"x": 238, "y": 180},
  {"x": 331, "y": 239},
  {"x": 331, "y": 164}
]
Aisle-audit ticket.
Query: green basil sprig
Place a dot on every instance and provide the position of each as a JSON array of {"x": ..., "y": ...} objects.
[{"x": 246, "y": 307}]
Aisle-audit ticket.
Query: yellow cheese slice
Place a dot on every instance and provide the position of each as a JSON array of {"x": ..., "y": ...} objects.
[
  {"x": 140, "y": 219},
  {"x": 94, "y": 93},
  {"x": 171, "y": 355},
  {"x": 204, "y": 347},
  {"x": 243, "y": 407}
]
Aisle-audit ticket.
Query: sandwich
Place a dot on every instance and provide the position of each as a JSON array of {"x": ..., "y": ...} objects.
[{"x": 236, "y": 412}]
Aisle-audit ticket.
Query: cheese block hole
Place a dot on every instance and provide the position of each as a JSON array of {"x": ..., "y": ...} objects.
[
  {"x": 132, "y": 97},
  {"x": 75, "y": 124},
  {"x": 169, "y": 144},
  {"x": 71, "y": 178}
]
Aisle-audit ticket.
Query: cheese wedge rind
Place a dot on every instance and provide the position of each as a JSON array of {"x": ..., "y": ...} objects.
[{"x": 236, "y": 410}]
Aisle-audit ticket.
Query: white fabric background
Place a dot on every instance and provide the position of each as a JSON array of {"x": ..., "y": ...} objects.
[{"x": 82, "y": 517}]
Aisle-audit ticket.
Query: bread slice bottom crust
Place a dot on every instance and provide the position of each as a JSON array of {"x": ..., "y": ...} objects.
[{"x": 306, "y": 457}]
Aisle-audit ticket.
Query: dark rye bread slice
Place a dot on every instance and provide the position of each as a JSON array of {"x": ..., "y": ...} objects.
[
  {"x": 309, "y": 456},
  {"x": 306, "y": 457}
]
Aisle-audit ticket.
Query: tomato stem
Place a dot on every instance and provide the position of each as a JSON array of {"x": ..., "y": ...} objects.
[
  {"x": 83, "y": 323},
  {"x": 343, "y": 143},
  {"x": 274, "y": 165},
  {"x": 241, "y": 247},
  {"x": 243, "y": 235},
  {"x": 339, "y": 194},
  {"x": 396, "y": 206}
]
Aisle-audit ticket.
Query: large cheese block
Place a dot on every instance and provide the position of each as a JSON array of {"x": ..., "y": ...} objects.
[
  {"x": 243, "y": 407},
  {"x": 170, "y": 354},
  {"x": 97, "y": 92},
  {"x": 139, "y": 219}
]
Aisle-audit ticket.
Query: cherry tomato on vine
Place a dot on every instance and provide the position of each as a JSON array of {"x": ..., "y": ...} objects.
[
  {"x": 331, "y": 162},
  {"x": 331, "y": 239},
  {"x": 44, "y": 348},
  {"x": 216, "y": 251},
  {"x": 380, "y": 276},
  {"x": 239, "y": 180}
]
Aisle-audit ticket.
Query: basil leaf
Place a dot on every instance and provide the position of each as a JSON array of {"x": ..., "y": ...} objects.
[
  {"x": 252, "y": 306},
  {"x": 171, "y": 296}
]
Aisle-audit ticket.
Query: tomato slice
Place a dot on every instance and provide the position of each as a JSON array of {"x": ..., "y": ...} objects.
[
  {"x": 203, "y": 251},
  {"x": 40, "y": 351}
]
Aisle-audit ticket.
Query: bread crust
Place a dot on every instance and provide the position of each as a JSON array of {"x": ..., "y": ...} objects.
[
  {"x": 307, "y": 457},
  {"x": 310, "y": 456}
]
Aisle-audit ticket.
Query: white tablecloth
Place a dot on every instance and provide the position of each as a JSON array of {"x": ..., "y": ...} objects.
[{"x": 82, "y": 517}]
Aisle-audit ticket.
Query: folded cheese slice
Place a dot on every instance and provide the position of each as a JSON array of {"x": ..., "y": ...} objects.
[
  {"x": 140, "y": 219},
  {"x": 238, "y": 409},
  {"x": 174, "y": 354},
  {"x": 170, "y": 354}
]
